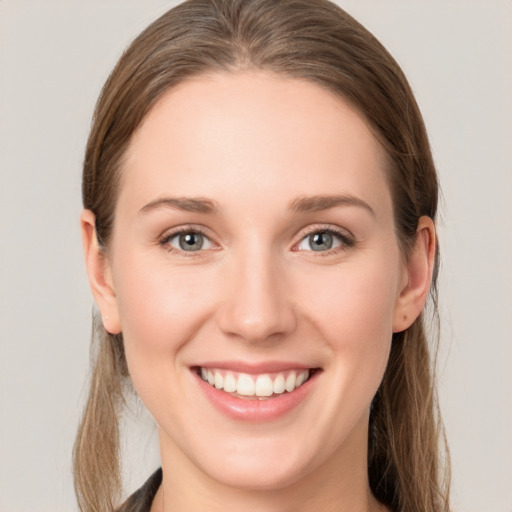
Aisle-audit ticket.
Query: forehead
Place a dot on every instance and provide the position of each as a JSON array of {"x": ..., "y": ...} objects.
[{"x": 250, "y": 133}]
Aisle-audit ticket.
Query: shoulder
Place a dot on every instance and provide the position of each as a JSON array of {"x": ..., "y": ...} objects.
[{"x": 141, "y": 500}]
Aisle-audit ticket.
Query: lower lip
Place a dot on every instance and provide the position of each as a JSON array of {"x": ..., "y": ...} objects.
[{"x": 256, "y": 410}]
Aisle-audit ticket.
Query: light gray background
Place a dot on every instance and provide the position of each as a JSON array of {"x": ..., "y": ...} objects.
[{"x": 55, "y": 55}]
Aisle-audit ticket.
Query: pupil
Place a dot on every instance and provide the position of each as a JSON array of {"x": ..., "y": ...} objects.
[
  {"x": 191, "y": 241},
  {"x": 321, "y": 241}
]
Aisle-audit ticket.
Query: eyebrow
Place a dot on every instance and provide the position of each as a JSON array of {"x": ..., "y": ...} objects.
[
  {"x": 301, "y": 204},
  {"x": 321, "y": 202},
  {"x": 187, "y": 204}
]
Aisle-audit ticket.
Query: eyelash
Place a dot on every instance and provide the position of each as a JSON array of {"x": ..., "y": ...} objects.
[
  {"x": 167, "y": 237},
  {"x": 347, "y": 240}
]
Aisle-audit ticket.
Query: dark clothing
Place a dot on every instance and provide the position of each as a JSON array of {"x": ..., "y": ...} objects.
[{"x": 141, "y": 500}]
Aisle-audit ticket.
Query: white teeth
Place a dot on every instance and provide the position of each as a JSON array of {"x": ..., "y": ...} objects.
[
  {"x": 279, "y": 385},
  {"x": 245, "y": 385},
  {"x": 290, "y": 382},
  {"x": 264, "y": 386},
  {"x": 250, "y": 385},
  {"x": 300, "y": 379},
  {"x": 230, "y": 383},
  {"x": 219, "y": 380}
]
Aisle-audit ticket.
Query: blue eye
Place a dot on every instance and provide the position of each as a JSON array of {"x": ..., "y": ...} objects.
[
  {"x": 323, "y": 240},
  {"x": 189, "y": 241}
]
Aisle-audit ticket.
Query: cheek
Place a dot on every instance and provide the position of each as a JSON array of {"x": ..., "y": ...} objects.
[
  {"x": 355, "y": 300},
  {"x": 354, "y": 314},
  {"x": 161, "y": 309}
]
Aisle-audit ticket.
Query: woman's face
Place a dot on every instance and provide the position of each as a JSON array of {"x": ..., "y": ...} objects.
[{"x": 254, "y": 246}]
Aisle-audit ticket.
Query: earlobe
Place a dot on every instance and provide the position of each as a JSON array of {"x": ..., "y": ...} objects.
[
  {"x": 99, "y": 274},
  {"x": 419, "y": 269}
]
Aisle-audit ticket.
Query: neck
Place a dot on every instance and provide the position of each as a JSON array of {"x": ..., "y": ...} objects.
[{"x": 336, "y": 485}]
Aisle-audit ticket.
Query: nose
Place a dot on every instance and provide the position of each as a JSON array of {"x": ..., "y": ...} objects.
[{"x": 257, "y": 305}]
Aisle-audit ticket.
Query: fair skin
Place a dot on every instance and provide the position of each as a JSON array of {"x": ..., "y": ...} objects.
[{"x": 296, "y": 267}]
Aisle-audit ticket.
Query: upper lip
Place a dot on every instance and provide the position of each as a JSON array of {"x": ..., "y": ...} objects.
[{"x": 254, "y": 368}]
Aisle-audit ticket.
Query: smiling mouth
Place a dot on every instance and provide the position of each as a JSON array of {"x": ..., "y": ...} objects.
[{"x": 255, "y": 387}]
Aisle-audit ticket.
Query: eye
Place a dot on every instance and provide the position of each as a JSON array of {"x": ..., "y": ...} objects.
[
  {"x": 324, "y": 240},
  {"x": 188, "y": 241}
]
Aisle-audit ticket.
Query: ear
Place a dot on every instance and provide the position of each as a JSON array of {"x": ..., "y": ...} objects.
[
  {"x": 99, "y": 273},
  {"x": 418, "y": 276}
]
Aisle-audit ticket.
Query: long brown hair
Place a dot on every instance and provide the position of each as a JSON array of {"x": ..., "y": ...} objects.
[{"x": 317, "y": 41}]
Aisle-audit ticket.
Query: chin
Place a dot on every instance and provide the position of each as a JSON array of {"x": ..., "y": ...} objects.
[
  {"x": 260, "y": 467},
  {"x": 258, "y": 477}
]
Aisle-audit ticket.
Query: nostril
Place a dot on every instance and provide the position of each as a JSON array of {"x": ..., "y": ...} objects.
[
  {"x": 256, "y": 306},
  {"x": 258, "y": 326}
]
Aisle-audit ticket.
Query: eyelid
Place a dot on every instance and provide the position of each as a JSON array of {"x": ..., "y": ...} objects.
[
  {"x": 169, "y": 234},
  {"x": 347, "y": 238}
]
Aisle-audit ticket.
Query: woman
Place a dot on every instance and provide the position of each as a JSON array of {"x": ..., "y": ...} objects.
[{"x": 259, "y": 235}]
